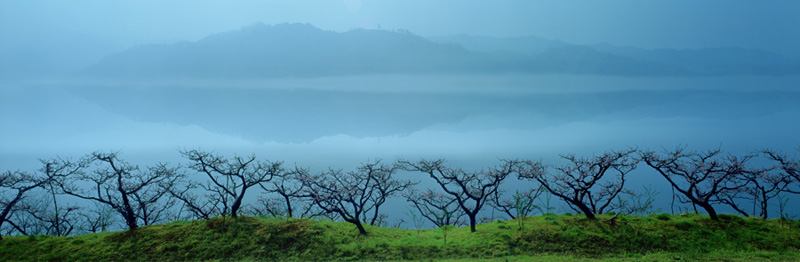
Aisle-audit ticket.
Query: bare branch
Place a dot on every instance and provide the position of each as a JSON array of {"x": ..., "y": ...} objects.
[
  {"x": 471, "y": 190},
  {"x": 704, "y": 178},
  {"x": 577, "y": 183},
  {"x": 229, "y": 179},
  {"x": 123, "y": 187},
  {"x": 355, "y": 196}
]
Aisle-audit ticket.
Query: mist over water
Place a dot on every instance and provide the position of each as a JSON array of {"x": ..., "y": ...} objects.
[
  {"x": 345, "y": 120},
  {"x": 334, "y": 84},
  {"x": 472, "y": 121},
  {"x": 340, "y": 122}
]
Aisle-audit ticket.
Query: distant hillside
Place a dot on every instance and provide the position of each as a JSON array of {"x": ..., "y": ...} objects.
[
  {"x": 300, "y": 50},
  {"x": 527, "y": 45},
  {"x": 612, "y": 59},
  {"x": 713, "y": 61},
  {"x": 288, "y": 50},
  {"x": 585, "y": 60}
]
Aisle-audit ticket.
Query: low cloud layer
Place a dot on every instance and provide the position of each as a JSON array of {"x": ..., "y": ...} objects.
[{"x": 51, "y": 122}]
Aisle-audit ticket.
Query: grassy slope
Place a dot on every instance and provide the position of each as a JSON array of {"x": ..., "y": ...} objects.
[{"x": 544, "y": 238}]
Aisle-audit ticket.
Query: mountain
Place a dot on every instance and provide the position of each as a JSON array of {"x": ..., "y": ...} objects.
[
  {"x": 527, "y": 45},
  {"x": 584, "y": 60},
  {"x": 287, "y": 50},
  {"x": 301, "y": 50},
  {"x": 713, "y": 61},
  {"x": 606, "y": 58}
]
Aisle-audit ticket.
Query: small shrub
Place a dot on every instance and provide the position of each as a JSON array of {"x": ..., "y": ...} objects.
[
  {"x": 685, "y": 225},
  {"x": 664, "y": 217},
  {"x": 552, "y": 220},
  {"x": 731, "y": 218},
  {"x": 170, "y": 248},
  {"x": 503, "y": 225}
]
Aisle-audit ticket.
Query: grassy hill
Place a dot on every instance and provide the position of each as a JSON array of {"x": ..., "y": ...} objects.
[{"x": 543, "y": 238}]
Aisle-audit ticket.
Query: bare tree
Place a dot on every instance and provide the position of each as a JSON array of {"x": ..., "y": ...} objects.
[
  {"x": 23, "y": 223},
  {"x": 637, "y": 203},
  {"x": 789, "y": 166},
  {"x": 54, "y": 219},
  {"x": 116, "y": 183},
  {"x": 520, "y": 205},
  {"x": 704, "y": 178},
  {"x": 98, "y": 219},
  {"x": 472, "y": 190},
  {"x": 212, "y": 204},
  {"x": 154, "y": 206},
  {"x": 229, "y": 179},
  {"x": 439, "y": 208},
  {"x": 57, "y": 219},
  {"x": 15, "y": 185},
  {"x": 384, "y": 184},
  {"x": 769, "y": 182},
  {"x": 762, "y": 186},
  {"x": 291, "y": 190},
  {"x": 52, "y": 216},
  {"x": 272, "y": 206},
  {"x": 355, "y": 196},
  {"x": 276, "y": 207},
  {"x": 580, "y": 183}
]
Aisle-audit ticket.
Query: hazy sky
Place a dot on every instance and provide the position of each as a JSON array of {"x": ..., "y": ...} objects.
[
  {"x": 43, "y": 120},
  {"x": 771, "y": 25}
]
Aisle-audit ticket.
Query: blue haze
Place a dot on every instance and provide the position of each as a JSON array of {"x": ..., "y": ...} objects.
[{"x": 706, "y": 74}]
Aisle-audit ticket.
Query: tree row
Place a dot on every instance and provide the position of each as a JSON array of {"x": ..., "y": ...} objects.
[{"x": 211, "y": 185}]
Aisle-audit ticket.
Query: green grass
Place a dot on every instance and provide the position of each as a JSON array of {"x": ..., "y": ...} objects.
[{"x": 544, "y": 238}]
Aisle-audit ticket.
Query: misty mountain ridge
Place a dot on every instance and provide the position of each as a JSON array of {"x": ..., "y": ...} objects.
[
  {"x": 302, "y": 50},
  {"x": 713, "y": 61},
  {"x": 528, "y": 45},
  {"x": 703, "y": 61}
]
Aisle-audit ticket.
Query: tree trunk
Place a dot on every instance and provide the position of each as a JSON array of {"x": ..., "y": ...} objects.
[
  {"x": 585, "y": 209},
  {"x": 288, "y": 206},
  {"x": 360, "y": 227},
  {"x": 742, "y": 212},
  {"x": 374, "y": 217},
  {"x": 7, "y": 210},
  {"x": 764, "y": 205},
  {"x": 355, "y": 221},
  {"x": 130, "y": 220},
  {"x": 672, "y": 204},
  {"x": 129, "y": 214},
  {"x": 56, "y": 217},
  {"x": 472, "y": 222},
  {"x": 237, "y": 204},
  {"x": 711, "y": 212}
]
